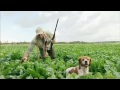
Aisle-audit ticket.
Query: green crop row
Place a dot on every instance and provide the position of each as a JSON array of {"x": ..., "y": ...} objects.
[{"x": 105, "y": 62}]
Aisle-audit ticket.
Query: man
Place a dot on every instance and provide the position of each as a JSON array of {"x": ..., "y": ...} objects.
[{"x": 43, "y": 41}]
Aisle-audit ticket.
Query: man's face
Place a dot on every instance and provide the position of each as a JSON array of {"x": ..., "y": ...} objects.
[{"x": 41, "y": 36}]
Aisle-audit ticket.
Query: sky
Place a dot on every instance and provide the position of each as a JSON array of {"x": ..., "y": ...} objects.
[{"x": 86, "y": 26}]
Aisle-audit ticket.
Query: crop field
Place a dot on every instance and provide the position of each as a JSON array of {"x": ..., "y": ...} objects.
[{"x": 105, "y": 61}]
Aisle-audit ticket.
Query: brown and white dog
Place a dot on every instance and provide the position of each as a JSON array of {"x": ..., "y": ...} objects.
[{"x": 82, "y": 68}]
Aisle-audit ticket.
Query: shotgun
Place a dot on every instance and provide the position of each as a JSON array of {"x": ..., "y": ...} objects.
[{"x": 54, "y": 35}]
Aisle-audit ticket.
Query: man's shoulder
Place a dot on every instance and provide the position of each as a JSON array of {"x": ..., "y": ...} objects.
[
  {"x": 33, "y": 40},
  {"x": 48, "y": 33}
]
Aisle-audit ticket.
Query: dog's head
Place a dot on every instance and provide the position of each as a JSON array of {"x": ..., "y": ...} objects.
[{"x": 84, "y": 61}]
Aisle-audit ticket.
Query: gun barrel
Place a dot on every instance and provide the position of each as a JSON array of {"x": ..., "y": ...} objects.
[
  {"x": 55, "y": 29},
  {"x": 54, "y": 32}
]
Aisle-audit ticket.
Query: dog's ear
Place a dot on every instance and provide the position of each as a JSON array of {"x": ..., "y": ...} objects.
[
  {"x": 79, "y": 62},
  {"x": 90, "y": 61}
]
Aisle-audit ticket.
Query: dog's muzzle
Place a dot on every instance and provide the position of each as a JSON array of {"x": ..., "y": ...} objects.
[{"x": 86, "y": 63}]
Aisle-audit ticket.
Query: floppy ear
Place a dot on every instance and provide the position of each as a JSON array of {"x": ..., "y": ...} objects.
[
  {"x": 90, "y": 62},
  {"x": 79, "y": 62}
]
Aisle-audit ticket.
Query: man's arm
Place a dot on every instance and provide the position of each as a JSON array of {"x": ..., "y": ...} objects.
[{"x": 29, "y": 50}]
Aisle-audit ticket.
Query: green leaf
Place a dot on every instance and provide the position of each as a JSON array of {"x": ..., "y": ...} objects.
[{"x": 2, "y": 77}]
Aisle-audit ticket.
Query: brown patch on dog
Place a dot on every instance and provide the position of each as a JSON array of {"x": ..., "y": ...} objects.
[{"x": 73, "y": 70}]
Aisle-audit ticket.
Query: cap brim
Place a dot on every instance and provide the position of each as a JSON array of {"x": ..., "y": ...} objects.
[{"x": 39, "y": 33}]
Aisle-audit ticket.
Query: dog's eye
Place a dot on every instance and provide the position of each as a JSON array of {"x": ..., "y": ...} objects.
[{"x": 82, "y": 59}]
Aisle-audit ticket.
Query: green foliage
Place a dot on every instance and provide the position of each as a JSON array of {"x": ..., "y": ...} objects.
[{"x": 105, "y": 62}]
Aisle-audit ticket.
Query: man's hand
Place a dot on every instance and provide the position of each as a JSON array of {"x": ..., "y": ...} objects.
[
  {"x": 24, "y": 59},
  {"x": 45, "y": 53},
  {"x": 52, "y": 41},
  {"x": 45, "y": 56}
]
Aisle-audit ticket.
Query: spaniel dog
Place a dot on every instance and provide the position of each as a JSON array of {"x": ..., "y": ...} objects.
[{"x": 82, "y": 68}]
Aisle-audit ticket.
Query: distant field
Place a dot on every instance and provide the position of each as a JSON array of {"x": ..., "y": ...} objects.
[{"x": 105, "y": 61}]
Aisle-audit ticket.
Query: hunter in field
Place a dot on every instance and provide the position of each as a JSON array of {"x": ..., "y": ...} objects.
[{"x": 42, "y": 40}]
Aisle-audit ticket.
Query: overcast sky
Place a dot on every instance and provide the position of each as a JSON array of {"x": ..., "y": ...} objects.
[{"x": 87, "y": 26}]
